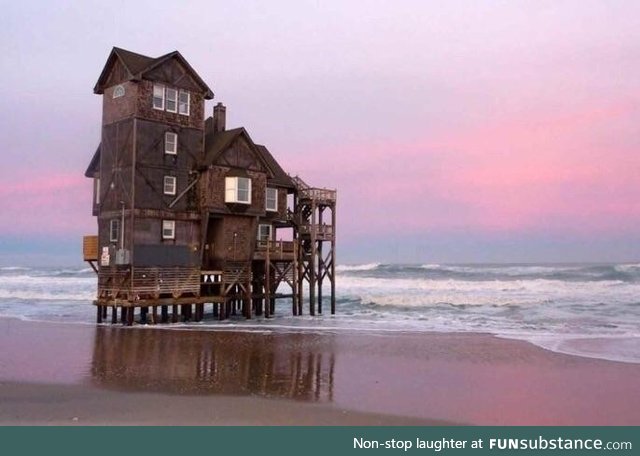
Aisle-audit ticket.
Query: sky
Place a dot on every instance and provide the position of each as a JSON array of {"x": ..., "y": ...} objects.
[{"x": 454, "y": 131}]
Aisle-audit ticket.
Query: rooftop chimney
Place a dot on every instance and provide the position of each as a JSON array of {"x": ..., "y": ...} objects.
[{"x": 219, "y": 117}]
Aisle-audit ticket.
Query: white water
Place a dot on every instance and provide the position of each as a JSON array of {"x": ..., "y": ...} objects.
[{"x": 587, "y": 310}]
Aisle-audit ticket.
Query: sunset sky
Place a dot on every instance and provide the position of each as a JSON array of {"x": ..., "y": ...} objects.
[{"x": 457, "y": 131}]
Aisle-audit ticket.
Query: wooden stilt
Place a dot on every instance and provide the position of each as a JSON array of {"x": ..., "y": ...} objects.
[
  {"x": 99, "y": 312},
  {"x": 164, "y": 314},
  {"x": 333, "y": 259},
  {"x": 114, "y": 315},
  {"x": 154, "y": 315},
  {"x": 144, "y": 311},
  {"x": 267, "y": 286},
  {"x": 130, "y": 311}
]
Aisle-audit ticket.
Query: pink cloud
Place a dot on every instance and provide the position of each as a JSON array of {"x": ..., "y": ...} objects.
[
  {"x": 58, "y": 204},
  {"x": 571, "y": 172}
]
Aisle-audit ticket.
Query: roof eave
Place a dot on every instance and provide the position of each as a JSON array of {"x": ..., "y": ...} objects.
[{"x": 98, "y": 89}]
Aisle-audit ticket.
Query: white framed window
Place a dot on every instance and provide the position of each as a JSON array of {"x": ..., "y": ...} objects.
[
  {"x": 237, "y": 190},
  {"x": 158, "y": 97},
  {"x": 264, "y": 232},
  {"x": 271, "y": 199},
  {"x": 114, "y": 230},
  {"x": 118, "y": 91},
  {"x": 171, "y": 143},
  {"x": 168, "y": 229},
  {"x": 183, "y": 102},
  {"x": 169, "y": 187},
  {"x": 172, "y": 100}
]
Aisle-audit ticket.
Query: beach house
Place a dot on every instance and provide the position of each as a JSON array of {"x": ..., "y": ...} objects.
[{"x": 190, "y": 212}]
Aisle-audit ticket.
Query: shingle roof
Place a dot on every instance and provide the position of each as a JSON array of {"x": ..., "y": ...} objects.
[
  {"x": 216, "y": 143},
  {"x": 280, "y": 177},
  {"x": 133, "y": 61},
  {"x": 138, "y": 64},
  {"x": 94, "y": 164}
]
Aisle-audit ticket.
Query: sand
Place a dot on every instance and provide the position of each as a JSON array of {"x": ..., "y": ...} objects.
[{"x": 53, "y": 373}]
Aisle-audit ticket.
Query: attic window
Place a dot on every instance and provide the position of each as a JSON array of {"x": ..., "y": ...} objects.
[
  {"x": 271, "y": 203},
  {"x": 237, "y": 190},
  {"x": 183, "y": 102},
  {"x": 171, "y": 143},
  {"x": 172, "y": 100},
  {"x": 118, "y": 91},
  {"x": 158, "y": 97}
]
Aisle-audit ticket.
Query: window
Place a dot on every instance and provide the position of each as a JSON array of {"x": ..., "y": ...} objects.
[
  {"x": 183, "y": 102},
  {"x": 264, "y": 233},
  {"x": 237, "y": 190},
  {"x": 172, "y": 100},
  {"x": 169, "y": 185},
  {"x": 158, "y": 96},
  {"x": 168, "y": 229},
  {"x": 114, "y": 230},
  {"x": 271, "y": 199},
  {"x": 118, "y": 91},
  {"x": 97, "y": 190},
  {"x": 170, "y": 143}
]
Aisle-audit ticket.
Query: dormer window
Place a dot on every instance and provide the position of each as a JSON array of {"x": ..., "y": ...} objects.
[
  {"x": 118, "y": 91},
  {"x": 171, "y": 143},
  {"x": 271, "y": 199},
  {"x": 172, "y": 100},
  {"x": 183, "y": 102},
  {"x": 158, "y": 97},
  {"x": 237, "y": 190}
]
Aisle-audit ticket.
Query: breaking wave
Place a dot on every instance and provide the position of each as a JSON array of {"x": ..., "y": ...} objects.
[{"x": 584, "y": 309}]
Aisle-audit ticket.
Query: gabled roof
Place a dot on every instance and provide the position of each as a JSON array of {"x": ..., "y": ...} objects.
[
  {"x": 216, "y": 143},
  {"x": 137, "y": 65},
  {"x": 280, "y": 177},
  {"x": 94, "y": 165}
]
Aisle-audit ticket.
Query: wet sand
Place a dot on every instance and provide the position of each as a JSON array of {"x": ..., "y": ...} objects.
[{"x": 53, "y": 373}]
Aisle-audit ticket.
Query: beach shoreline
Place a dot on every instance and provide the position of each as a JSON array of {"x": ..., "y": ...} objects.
[{"x": 51, "y": 373}]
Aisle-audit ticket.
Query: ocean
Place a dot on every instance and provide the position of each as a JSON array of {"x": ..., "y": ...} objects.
[{"x": 590, "y": 310}]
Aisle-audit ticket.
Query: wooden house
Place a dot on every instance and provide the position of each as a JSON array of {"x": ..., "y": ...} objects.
[{"x": 191, "y": 213}]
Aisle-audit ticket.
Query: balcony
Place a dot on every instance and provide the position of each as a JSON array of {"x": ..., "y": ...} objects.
[
  {"x": 318, "y": 195},
  {"x": 275, "y": 250},
  {"x": 320, "y": 232}
]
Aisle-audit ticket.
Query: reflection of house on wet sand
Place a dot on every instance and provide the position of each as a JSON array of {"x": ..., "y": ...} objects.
[{"x": 206, "y": 362}]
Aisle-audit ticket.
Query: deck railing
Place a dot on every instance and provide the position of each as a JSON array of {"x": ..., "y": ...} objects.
[
  {"x": 148, "y": 282},
  {"x": 318, "y": 194},
  {"x": 321, "y": 231},
  {"x": 283, "y": 250}
]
